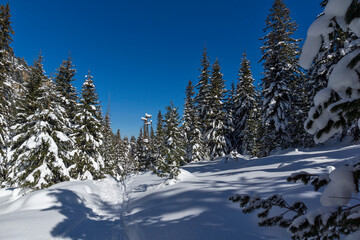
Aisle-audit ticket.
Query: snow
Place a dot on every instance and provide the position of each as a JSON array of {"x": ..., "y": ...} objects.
[
  {"x": 195, "y": 205},
  {"x": 337, "y": 7},
  {"x": 322, "y": 96},
  {"x": 343, "y": 77},
  {"x": 339, "y": 191},
  {"x": 314, "y": 40}
]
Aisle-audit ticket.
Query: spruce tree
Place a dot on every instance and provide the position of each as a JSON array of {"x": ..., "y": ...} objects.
[
  {"x": 281, "y": 71},
  {"x": 87, "y": 160},
  {"x": 174, "y": 149},
  {"x": 202, "y": 99},
  {"x": 5, "y": 67},
  {"x": 252, "y": 134},
  {"x": 216, "y": 132},
  {"x": 67, "y": 92},
  {"x": 244, "y": 103},
  {"x": 192, "y": 131},
  {"x": 159, "y": 139},
  {"x": 330, "y": 53},
  {"x": 40, "y": 147},
  {"x": 230, "y": 119},
  {"x": 108, "y": 149}
]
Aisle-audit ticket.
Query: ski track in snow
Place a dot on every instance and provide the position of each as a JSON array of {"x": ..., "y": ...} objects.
[{"x": 146, "y": 207}]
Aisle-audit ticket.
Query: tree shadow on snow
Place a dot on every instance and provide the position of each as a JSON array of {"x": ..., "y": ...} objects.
[{"x": 80, "y": 221}]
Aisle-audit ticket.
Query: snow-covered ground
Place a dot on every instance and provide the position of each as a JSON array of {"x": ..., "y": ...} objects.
[{"x": 147, "y": 207}]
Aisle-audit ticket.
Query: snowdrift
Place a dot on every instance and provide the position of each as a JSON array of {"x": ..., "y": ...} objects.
[{"x": 194, "y": 206}]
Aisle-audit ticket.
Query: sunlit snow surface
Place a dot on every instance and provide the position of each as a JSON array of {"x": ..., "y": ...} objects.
[{"x": 194, "y": 206}]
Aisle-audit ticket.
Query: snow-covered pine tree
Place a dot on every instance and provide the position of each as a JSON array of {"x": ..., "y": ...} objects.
[
  {"x": 202, "y": 98},
  {"x": 122, "y": 152},
  {"x": 253, "y": 131},
  {"x": 230, "y": 119},
  {"x": 193, "y": 137},
  {"x": 334, "y": 46},
  {"x": 40, "y": 146},
  {"x": 132, "y": 155},
  {"x": 244, "y": 102},
  {"x": 5, "y": 91},
  {"x": 174, "y": 147},
  {"x": 87, "y": 160},
  {"x": 67, "y": 92},
  {"x": 280, "y": 52},
  {"x": 216, "y": 132},
  {"x": 159, "y": 139},
  {"x": 108, "y": 149},
  {"x": 145, "y": 159},
  {"x": 337, "y": 217}
]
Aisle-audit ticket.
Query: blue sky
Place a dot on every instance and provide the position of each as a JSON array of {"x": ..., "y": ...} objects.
[{"x": 143, "y": 53}]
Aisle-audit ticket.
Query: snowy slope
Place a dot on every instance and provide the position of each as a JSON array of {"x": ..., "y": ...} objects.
[{"x": 147, "y": 207}]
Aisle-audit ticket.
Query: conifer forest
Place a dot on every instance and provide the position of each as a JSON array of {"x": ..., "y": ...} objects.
[{"x": 270, "y": 158}]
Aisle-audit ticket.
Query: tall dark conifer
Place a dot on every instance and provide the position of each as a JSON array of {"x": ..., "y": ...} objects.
[
  {"x": 5, "y": 92},
  {"x": 244, "y": 102},
  {"x": 191, "y": 126},
  {"x": 281, "y": 72},
  {"x": 216, "y": 131}
]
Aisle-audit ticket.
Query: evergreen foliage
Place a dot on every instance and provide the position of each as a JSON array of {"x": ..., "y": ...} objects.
[
  {"x": 173, "y": 147},
  {"x": 216, "y": 132},
  {"x": 40, "y": 148},
  {"x": 87, "y": 160},
  {"x": 191, "y": 127},
  {"x": 5, "y": 91},
  {"x": 244, "y": 103},
  {"x": 281, "y": 73},
  {"x": 68, "y": 96},
  {"x": 252, "y": 134}
]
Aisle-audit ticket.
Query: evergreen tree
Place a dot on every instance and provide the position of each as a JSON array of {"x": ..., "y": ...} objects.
[
  {"x": 337, "y": 216},
  {"x": 192, "y": 132},
  {"x": 40, "y": 146},
  {"x": 202, "y": 99},
  {"x": 68, "y": 96},
  {"x": 108, "y": 148},
  {"x": 252, "y": 133},
  {"x": 87, "y": 161},
  {"x": 244, "y": 103},
  {"x": 216, "y": 132},
  {"x": 159, "y": 139},
  {"x": 174, "y": 152},
  {"x": 281, "y": 71},
  {"x": 339, "y": 44},
  {"x": 230, "y": 119},
  {"x": 5, "y": 92},
  {"x": 132, "y": 156}
]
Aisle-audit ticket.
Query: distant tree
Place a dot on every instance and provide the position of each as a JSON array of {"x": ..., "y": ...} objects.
[
  {"x": 252, "y": 134},
  {"x": 191, "y": 126},
  {"x": 108, "y": 149},
  {"x": 216, "y": 132},
  {"x": 159, "y": 139},
  {"x": 202, "y": 98},
  {"x": 244, "y": 103},
  {"x": 174, "y": 152},
  {"x": 230, "y": 119},
  {"x": 67, "y": 92}
]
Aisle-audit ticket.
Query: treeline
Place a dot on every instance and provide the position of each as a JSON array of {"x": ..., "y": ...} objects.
[
  {"x": 281, "y": 113},
  {"x": 50, "y": 133}
]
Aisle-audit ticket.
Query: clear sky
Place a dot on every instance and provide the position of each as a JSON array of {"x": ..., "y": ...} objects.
[{"x": 143, "y": 52}]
